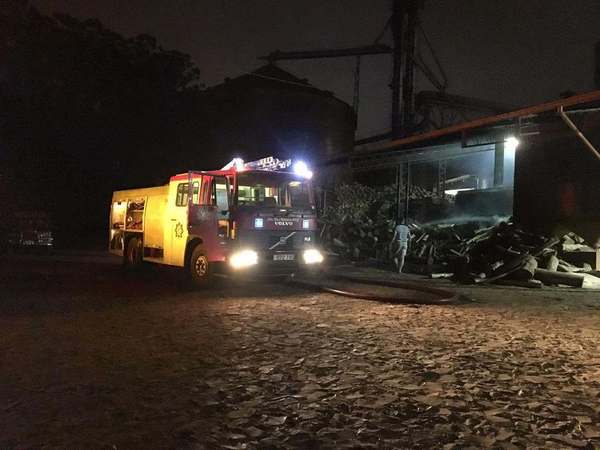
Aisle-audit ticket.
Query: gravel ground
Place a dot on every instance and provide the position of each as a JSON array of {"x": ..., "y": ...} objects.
[{"x": 91, "y": 358}]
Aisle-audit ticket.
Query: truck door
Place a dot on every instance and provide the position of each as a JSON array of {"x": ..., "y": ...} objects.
[
  {"x": 210, "y": 220},
  {"x": 220, "y": 200},
  {"x": 176, "y": 220}
]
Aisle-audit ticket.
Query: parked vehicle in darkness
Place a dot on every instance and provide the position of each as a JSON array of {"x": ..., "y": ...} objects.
[{"x": 28, "y": 230}]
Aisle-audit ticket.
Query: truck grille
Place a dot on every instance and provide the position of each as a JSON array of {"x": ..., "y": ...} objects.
[
  {"x": 279, "y": 243},
  {"x": 268, "y": 239}
]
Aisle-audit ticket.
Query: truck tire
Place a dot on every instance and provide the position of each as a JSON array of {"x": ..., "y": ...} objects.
[
  {"x": 199, "y": 267},
  {"x": 133, "y": 253}
]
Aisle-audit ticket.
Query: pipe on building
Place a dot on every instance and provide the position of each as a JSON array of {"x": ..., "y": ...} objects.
[{"x": 579, "y": 134}]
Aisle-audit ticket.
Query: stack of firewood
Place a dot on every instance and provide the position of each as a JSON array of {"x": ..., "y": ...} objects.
[
  {"x": 359, "y": 220},
  {"x": 502, "y": 253}
]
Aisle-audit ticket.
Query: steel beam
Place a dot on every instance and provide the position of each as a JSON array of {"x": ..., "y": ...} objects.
[
  {"x": 360, "y": 162},
  {"x": 376, "y": 49}
]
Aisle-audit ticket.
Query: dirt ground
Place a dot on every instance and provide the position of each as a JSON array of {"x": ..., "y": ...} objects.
[{"x": 91, "y": 358}]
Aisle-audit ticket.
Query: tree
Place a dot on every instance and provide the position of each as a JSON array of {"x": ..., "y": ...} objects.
[{"x": 86, "y": 110}]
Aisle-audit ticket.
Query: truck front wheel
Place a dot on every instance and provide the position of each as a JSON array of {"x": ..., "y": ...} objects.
[{"x": 200, "y": 268}]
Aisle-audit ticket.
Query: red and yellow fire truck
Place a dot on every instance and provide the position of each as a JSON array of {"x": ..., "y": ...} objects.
[{"x": 244, "y": 217}]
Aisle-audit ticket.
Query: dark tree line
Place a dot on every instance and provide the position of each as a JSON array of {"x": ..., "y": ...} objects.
[{"x": 84, "y": 111}]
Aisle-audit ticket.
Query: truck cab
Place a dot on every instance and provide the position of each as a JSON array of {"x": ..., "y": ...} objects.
[
  {"x": 274, "y": 216},
  {"x": 244, "y": 218}
]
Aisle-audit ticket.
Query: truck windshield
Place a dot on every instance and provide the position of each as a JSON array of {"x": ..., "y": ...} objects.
[{"x": 273, "y": 189}]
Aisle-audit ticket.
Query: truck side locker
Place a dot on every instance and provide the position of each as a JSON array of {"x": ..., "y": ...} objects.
[
  {"x": 182, "y": 191},
  {"x": 134, "y": 231},
  {"x": 154, "y": 228},
  {"x": 117, "y": 226}
]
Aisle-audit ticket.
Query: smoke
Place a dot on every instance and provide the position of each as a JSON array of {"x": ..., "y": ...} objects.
[{"x": 465, "y": 218}]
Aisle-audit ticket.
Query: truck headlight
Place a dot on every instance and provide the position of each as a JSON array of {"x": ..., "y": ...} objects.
[
  {"x": 243, "y": 258},
  {"x": 312, "y": 256}
]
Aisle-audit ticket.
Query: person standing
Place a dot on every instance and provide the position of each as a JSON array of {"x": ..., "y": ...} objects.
[{"x": 402, "y": 237}]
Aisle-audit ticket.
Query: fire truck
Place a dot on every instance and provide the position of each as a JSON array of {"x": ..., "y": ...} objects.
[{"x": 244, "y": 218}]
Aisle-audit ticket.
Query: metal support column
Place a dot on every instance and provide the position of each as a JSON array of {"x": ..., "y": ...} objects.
[
  {"x": 441, "y": 188},
  {"x": 407, "y": 191},
  {"x": 399, "y": 182},
  {"x": 499, "y": 164},
  {"x": 408, "y": 82},
  {"x": 356, "y": 98},
  {"x": 397, "y": 21}
]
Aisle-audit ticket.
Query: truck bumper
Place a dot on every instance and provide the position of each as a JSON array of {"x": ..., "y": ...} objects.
[{"x": 276, "y": 264}]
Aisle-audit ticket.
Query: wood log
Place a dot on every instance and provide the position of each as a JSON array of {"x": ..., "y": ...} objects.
[
  {"x": 439, "y": 275},
  {"x": 527, "y": 270},
  {"x": 339, "y": 243},
  {"x": 552, "y": 263},
  {"x": 550, "y": 277},
  {"x": 531, "y": 284},
  {"x": 590, "y": 282}
]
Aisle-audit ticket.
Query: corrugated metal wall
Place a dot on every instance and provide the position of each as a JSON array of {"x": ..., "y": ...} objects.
[{"x": 557, "y": 179}]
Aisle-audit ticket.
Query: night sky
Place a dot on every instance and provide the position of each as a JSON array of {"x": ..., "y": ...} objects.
[{"x": 514, "y": 51}]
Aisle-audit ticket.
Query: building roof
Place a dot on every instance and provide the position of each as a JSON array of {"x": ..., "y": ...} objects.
[
  {"x": 270, "y": 76},
  {"x": 450, "y": 133}
]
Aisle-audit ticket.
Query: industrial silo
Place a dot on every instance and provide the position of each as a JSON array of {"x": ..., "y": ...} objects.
[{"x": 272, "y": 112}]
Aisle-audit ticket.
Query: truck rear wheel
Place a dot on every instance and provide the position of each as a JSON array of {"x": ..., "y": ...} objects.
[
  {"x": 200, "y": 268},
  {"x": 133, "y": 253}
]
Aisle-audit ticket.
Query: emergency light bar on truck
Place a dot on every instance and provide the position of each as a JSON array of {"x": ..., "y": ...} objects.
[
  {"x": 254, "y": 215},
  {"x": 270, "y": 163}
]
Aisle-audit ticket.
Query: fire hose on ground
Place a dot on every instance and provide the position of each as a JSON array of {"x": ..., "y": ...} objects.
[{"x": 411, "y": 293}]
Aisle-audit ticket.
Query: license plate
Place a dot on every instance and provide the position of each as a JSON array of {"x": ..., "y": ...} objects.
[{"x": 284, "y": 257}]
